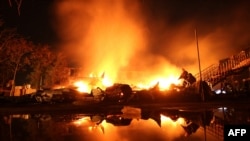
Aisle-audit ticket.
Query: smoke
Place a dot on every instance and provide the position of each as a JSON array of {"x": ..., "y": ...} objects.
[
  {"x": 222, "y": 29},
  {"x": 100, "y": 35},
  {"x": 146, "y": 39},
  {"x": 108, "y": 36}
]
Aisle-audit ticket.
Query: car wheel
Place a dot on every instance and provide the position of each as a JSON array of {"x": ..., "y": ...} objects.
[{"x": 39, "y": 99}]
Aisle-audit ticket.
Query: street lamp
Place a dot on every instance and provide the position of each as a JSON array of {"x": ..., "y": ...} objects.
[{"x": 199, "y": 62}]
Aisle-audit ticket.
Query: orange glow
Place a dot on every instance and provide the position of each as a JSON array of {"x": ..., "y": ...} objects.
[
  {"x": 165, "y": 83},
  {"x": 82, "y": 86},
  {"x": 92, "y": 81},
  {"x": 81, "y": 121},
  {"x": 107, "y": 82},
  {"x": 89, "y": 124},
  {"x": 108, "y": 131},
  {"x": 111, "y": 37},
  {"x": 105, "y": 124},
  {"x": 168, "y": 121}
]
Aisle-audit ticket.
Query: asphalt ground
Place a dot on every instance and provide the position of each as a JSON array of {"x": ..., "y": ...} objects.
[{"x": 91, "y": 108}]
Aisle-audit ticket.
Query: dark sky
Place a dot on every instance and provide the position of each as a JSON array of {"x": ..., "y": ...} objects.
[{"x": 35, "y": 19}]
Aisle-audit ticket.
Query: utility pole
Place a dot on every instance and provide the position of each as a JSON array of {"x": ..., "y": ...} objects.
[{"x": 199, "y": 62}]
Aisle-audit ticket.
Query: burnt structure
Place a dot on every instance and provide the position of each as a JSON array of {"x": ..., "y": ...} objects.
[{"x": 231, "y": 74}]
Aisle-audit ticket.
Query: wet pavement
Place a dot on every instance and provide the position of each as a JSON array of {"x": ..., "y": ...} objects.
[{"x": 201, "y": 121}]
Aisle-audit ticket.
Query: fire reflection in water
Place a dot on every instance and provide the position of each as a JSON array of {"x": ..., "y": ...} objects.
[
  {"x": 168, "y": 121},
  {"x": 128, "y": 123}
]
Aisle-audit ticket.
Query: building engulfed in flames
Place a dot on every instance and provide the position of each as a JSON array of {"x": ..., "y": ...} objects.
[{"x": 136, "y": 79}]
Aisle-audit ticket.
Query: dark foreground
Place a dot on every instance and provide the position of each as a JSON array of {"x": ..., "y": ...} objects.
[
  {"x": 201, "y": 120},
  {"x": 88, "y": 107}
]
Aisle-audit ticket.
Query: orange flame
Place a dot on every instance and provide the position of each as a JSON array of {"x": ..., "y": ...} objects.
[
  {"x": 167, "y": 120},
  {"x": 82, "y": 86},
  {"x": 164, "y": 83},
  {"x": 111, "y": 36}
]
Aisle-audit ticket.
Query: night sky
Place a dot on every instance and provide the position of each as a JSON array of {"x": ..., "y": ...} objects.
[
  {"x": 34, "y": 21},
  {"x": 37, "y": 15},
  {"x": 223, "y": 26}
]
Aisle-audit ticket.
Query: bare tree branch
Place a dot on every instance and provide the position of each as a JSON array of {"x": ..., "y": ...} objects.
[
  {"x": 10, "y": 3},
  {"x": 19, "y": 3}
]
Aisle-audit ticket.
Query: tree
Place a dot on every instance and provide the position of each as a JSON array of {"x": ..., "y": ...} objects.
[
  {"x": 16, "y": 52},
  {"x": 13, "y": 54},
  {"x": 48, "y": 68},
  {"x": 6, "y": 37},
  {"x": 58, "y": 72},
  {"x": 18, "y": 3},
  {"x": 41, "y": 59}
]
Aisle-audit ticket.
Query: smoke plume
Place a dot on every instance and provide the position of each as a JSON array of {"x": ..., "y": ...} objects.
[
  {"x": 136, "y": 40},
  {"x": 108, "y": 36}
]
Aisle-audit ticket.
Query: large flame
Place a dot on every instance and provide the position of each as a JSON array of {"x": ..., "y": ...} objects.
[
  {"x": 92, "y": 82},
  {"x": 103, "y": 35},
  {"x": 163, "y": 84},
  {"x": 165, "y": 120},
  {"x": 111, "y": 37},
  {"x": 82, "y": 86}
]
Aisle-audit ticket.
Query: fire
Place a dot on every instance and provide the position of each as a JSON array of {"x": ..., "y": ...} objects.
[
  {"x": 107, "y": 82},
  {"x": 82, "y": 86},
  {"x": 90, "y": 124},
  {"x": 167, "y": 120},
  {"x": 164, "y": 83},
  {"x": 92, "y": 81},
  {"x": 113, "y": 37},
  {"x": 81, "y": 121}
]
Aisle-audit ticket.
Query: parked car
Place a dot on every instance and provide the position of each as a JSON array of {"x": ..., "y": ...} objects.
[
  {"x": 56, "y": 95},
  {"x": 118, "y": 93}
]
